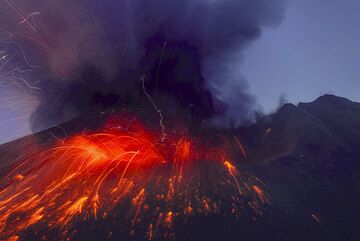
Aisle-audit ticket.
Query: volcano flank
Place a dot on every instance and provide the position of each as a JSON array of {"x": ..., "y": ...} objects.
[{"x": 293, "y": 175}]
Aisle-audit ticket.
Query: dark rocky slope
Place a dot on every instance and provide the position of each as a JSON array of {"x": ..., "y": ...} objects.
[{"x": 307, "y": 155}]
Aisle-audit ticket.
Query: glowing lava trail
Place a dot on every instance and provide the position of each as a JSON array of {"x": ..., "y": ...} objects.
[{"x": 146, "y": 185}]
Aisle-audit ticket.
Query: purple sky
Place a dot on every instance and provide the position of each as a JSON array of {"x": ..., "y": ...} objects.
[{"x": 315, "y": 50}]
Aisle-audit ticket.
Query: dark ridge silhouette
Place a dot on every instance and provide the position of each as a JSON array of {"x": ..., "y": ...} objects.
[{"x": 306, "y": 155}]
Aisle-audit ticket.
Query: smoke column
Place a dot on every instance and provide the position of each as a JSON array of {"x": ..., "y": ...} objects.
[{"x": 93, "y": 54}]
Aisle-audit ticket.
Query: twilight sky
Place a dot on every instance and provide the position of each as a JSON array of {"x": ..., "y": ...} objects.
[{"x": 315, "y": 50}]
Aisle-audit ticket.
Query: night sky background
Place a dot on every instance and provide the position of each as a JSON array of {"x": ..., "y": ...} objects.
[{"x": 248, "y": 54}]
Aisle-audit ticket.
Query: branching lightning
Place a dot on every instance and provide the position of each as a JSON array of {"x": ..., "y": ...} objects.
[
  {"x": 24, "y": 18},
  {"x": 156, "y": 109}
]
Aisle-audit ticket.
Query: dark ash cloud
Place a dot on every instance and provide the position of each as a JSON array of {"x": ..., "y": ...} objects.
[{"x": 189, "y": 50}]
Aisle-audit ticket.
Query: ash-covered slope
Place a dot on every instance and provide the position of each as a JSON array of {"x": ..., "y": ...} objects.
[
  {"x": 308, "y": 157},
  {"x": 325, "y": 132}
]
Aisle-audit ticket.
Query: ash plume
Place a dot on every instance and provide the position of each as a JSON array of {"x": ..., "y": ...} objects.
[{"x": 189, "y": 51}]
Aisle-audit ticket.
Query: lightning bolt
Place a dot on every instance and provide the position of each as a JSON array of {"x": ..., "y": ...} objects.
[
  {"x": 155, "y": 107},
  {"x": 15, "y": 73},
  {"x": 21, "y": 14},
  {"x": 26, "y": 20}
]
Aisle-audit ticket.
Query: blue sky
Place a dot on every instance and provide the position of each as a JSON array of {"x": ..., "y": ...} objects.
[{"x": 315, "y": 50}]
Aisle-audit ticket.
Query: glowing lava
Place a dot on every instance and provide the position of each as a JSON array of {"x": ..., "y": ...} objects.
[{"x": 153, "y": 183}]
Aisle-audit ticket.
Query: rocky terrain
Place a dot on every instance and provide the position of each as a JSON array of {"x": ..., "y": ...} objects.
[{"x": 307, "y": 156}]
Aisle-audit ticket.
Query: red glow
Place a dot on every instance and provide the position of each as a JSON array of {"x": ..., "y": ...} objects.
[{"x": 89, "y": 174}]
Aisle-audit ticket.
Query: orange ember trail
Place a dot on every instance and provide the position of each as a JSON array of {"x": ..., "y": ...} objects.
[{"x": 153, "y": 182}]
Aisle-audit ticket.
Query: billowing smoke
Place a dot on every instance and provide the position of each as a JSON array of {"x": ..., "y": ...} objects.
[{"x": 188, "y": 51}]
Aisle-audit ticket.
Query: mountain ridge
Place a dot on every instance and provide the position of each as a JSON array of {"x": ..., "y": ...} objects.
[
  {"x": 323, "y": 126},
  {"x": 307, "y": 155}
]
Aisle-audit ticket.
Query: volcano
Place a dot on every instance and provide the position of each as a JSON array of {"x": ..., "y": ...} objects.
[{"x": 292, "y": 175}]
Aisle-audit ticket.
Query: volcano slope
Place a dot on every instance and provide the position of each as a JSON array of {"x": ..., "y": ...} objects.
[
  {"x": 309, "y": 157},
  {"x": 291, "y": 176}
]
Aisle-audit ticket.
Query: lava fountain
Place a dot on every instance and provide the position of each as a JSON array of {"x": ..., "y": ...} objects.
[{"x": 125, "y": 173}]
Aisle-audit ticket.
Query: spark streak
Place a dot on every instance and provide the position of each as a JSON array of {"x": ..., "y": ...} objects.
[
  {"x": 155, "y": 184},
  {"x": 21, "y": 14},
  {"x": 29, "y": 16},
  {"x": 241, "y": 148}
]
